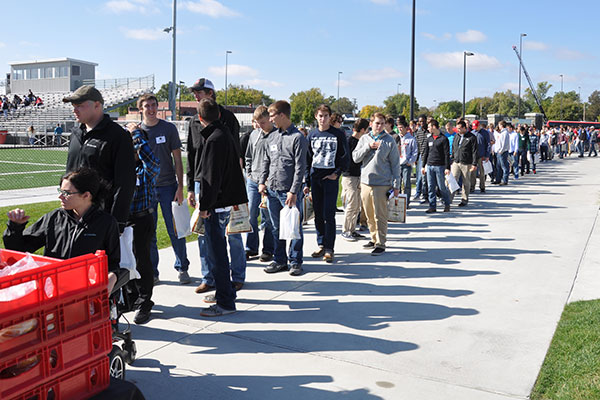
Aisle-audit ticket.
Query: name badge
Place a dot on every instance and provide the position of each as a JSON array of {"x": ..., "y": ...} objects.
[
  {"x": 138, "y": 182},
  {"x": 430, "y": 144},
  {"x": 161, "y": 139},
  {"x": 273, "y": 148}
]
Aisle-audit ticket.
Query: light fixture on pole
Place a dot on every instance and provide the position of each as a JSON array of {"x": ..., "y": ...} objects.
[
  {"x": 338, "y": 96},
  {"x": 172, "y": 85},
  {"x": 226, "y": 65},
  {"x": 465, "y": 54},
  {"x": 398, "y": 88},
  {"x": 521, "y": 53},
  {"x": 562, "y": 94}
]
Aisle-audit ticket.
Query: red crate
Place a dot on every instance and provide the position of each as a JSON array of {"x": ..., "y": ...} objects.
[
  {"x": 82, "y": 383},
  {"x": 75, "y": 315},
  {"x": 54, "y": 281},
  {"x": 45, "y": 363}
]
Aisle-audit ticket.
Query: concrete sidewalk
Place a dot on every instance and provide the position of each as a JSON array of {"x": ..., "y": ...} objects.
[
  {"x": 463, "y": 305},
  {"x": 28, "y": 196}
]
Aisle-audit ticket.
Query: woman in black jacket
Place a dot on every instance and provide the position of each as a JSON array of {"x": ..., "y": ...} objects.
[{"x": 78, "y": 227}]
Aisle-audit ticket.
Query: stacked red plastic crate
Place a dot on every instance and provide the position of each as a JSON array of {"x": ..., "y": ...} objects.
[{"x": 54, "y": 338}]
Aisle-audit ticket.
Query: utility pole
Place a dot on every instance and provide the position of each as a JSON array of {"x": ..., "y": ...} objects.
[
  {"x": 226, "y": 65},
  {"x": 412, "y": 63},
  {"x": 521, "y": 53}
]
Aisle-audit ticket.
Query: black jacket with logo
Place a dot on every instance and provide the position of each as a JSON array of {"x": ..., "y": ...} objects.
[
  {"x": 64, "y": 235},
  {"x": 465, "y": 151},
  {"x": 108, "y": 149}
]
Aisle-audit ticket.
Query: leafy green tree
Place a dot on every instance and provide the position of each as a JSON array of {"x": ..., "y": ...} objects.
[
  {"x": 304, "y": 105},
  {"x": 186, "y": 93},
  {"x": 592, "y": 110},
  {"x": 367, "y": 111},
  {"x": 542, "y": 90},
  {"x": 480, "y": 106},
  {"x": 565, "y": 106},
  {"x": 399, "y": 104},
  {"x": 241, "y": 95},
  {"x": 448, "y": 110},
  {"x": 345, "y": 106},
  {"x": 505, "y": 103}
]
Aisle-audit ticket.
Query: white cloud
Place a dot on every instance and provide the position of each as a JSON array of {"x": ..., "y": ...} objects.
[
  {"x": 570, "y": 55},
  {"x": 455, "y": 60},
  {"x": 431, "y": 36},
  {"x": 384, "y": 2},
  {"x": 262, "y": 83},
  {"x": 212, "y": 8},
  {"x": 535, "y": 46},
  {"x": 131, "y": 6},
  {"x": 512, "y": 86},
  {"x": 376, "y": 75},
  {"x": 145, "y": 34},
  {"x": 233, "y": 70},
  {"x": 471, "y": 36},
  {"x": 344, "y": 83},
  {"x": 2, "y": 44}
]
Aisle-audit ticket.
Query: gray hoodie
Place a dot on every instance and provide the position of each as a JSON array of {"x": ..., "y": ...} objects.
[{"x": 380, "y": 167}]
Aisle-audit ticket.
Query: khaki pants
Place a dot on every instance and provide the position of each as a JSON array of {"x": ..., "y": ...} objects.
[
  {"x": 480, "y": 174},
  {"x": 463, "y": 170},
  {"x": 351, "y": 196},
  {"x": 374, "y": 200}
]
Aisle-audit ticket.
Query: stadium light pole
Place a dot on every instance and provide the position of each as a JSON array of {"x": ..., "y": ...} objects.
[
  {"x": 181, "y": 83},
  {"x": 338, "y": 97},
  {"x": 581, "y": 101},
  {"x": 465, "y": 54},
  {"x": 226, "y": 66},
  {"x": 412, "y": 63},
  {"x": 521, "y": 54},
  {"x": 398, "y": 88},
  {"x": 172, "y": 85},
  {"x": 562, "y": 94}
]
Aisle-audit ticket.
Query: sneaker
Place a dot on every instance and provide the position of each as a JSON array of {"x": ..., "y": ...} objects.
[
  {"x": 238, "y": 286},
  {"x": 503, "y": 184},
  {"x": 156, "y": 280},
  {"x": 210, "y": 298},
  {"x": 328, "y": 257},
  {"x": 348, "y": 236},
  {"x": 265, "y": 257},
  {"x": 369, "y": 245},
  {"x": 377, "y": 251},
  {"x": 357, "y": 235},
  {"x": 430, "y": 210},
  {"x": 423, "y": 201},
  {"x": 204, "y": 287},
  {"x": 446, "y": 208},
  {"x": 215, "y": 311},
  {"x": 318, "y": 253},
  {"x": 275, "y": 267},
  {"x": 141, "y": 316},
  {"x": 295, "y": 269},
  {"x": 462, "y": 204},
  {"x": 184, "y": 277},
  {"x": 250, "y": 255},
  {"x": 481, "y": 190}
]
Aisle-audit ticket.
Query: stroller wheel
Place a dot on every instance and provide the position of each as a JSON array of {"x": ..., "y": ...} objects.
[
  {"x": 117, "y": 363},
  {"x": 129, "y": 352}
]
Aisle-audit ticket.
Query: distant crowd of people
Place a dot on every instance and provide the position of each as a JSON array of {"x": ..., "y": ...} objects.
[
  {"x": 8, "y": 106},
  {"x": 276, "y": 167}
]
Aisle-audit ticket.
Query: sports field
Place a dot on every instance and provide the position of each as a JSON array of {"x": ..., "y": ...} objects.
[{"x": 22, "y": 168}]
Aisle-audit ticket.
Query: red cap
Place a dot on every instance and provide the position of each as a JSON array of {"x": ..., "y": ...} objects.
[{"x": 475, "y": 124}]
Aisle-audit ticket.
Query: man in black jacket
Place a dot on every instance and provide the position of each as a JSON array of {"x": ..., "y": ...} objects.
[
  {"x": 104, "y": 146},
  {"x": 221, "y": 186},
  {"x": 436, "y": 161},
  {"x": 464, "y": 150}
]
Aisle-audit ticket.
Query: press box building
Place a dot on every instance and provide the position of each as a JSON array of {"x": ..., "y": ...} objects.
[{"x": 52, "y": 75}]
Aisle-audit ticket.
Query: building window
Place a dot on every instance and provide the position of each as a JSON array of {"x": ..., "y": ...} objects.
[
  {"x": 48, "y": 73},
  {"x": 75, "y": 70},
  {"x": 17, "y": 74},
  {"x": 33, "y": 73}
]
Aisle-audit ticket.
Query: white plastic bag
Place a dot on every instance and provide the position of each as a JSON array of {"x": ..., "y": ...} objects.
[
  {"x": 289, "y": 223},
  {"x": 397, "y": 208},
  {"x": 22, "y": 289},
  {"x": 127, "y": 256},
  {"x": 487, "y": 167},
  {"x": 451, "y": 183},
  {"x": 181, "y": 219}
]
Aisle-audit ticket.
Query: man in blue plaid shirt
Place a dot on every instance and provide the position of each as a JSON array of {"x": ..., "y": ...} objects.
[{"x": 147, "y": 168}]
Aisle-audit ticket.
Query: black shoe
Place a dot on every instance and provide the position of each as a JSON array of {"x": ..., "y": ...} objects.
[
  {"x": 446, "y": 208},
  {"x": 462, "y": 204},
  {"x": 357, "y": 235},
  {"x": 430, "y": 210},
  {"x": 481, "y": 190},
  {"x": 377, "y": 251},
  {"x": 141, "y": 316},
  {"x": 275, "y": 267},
  {"x": 503, "y": 184},
  {"x": 318, "y": 253},
  {"x": 369, "y": 245},
  {"x": 265, "y": 257},
  {"x": 250, "y": 254}
]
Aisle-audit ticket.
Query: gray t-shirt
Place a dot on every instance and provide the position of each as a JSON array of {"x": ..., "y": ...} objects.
[{"x": 163, "y": 139}]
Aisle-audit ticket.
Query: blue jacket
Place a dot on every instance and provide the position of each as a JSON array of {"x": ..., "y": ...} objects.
[{"x": 483, "y": 143}]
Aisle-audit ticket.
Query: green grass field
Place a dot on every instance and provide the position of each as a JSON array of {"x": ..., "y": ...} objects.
[{"x": 23, "y": 168}]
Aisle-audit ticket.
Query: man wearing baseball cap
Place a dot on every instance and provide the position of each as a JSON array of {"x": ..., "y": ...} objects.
[{"x": 103, "y": 145}]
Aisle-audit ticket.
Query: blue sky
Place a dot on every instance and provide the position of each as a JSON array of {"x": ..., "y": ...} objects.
[{"x": 287, "y": 46}]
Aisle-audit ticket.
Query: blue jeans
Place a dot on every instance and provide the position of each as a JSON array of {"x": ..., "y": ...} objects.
[
  {"x": 252, "y": 238},
  {"x": 592, "y": 149},
  {"x": 216, "y": 252},
  {"x": 405, "y": 172},
  {"x": 436, "y": 177},
  {"x": 276, "y": 201},
  {"x": 236, "y": 251},
  {"x": 164, "y": 196},
  {"x": 419, "y": 182},
  {"x": 505, "y": 166},
  {"x": 516, "y": 162},
  {"x": 324, "y": 196}
]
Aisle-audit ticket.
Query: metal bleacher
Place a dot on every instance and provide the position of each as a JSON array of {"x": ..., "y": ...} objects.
[{"x": 116, "y": 93}]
